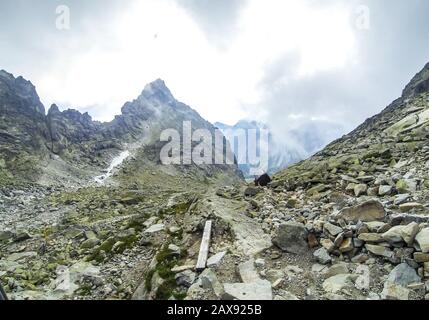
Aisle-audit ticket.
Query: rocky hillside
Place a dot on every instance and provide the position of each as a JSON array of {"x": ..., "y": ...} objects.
[{"x": 362, "y": 205}]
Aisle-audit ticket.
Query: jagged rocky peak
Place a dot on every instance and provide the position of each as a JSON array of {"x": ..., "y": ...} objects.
[
  {"x": 20, "y": 93},
  {"x": 71, "y": 115},
  {"x": 419, "y": 84},
  {"x": 157, "y": 90}
]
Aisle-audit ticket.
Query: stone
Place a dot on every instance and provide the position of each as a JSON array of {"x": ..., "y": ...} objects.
[
  {"x": 155, "y": 228},
  {"x": 327, "y": 244},
  {"x": 215, "y": 260},
  {"x": 174, "y": 229},
  {"x": 5, "y": 235},
  {"x": 209, "y": 280},
  {"x": 403, "y": 275},
  {"x": 291, "y": 237},
  {"x": 371, "y": 237},
  {"x": 312, "y": 240},
  {"x": 68, "y": 279},
  {"x": 422, "y": 240},
  {"x": 337, "y": 283},
  {"x": 406, "y": 186},
  {"x": 322, "y": 256},
  {"x": 248, "y": 272},
  {"x": 363, "y": 280},
  {"x": 360, "y": 190},
  {"x": 402, "y": 233},
  {"x": 384, "y": 191},
  {"x": 90, "y": 234},
  {"x": 375, "y": 226},
  {"x": 252, "y": 191},
  {"x": 406, "y": 207},
  {"x": 318, "y": 268},
  {"x": 379, "y": 251},
  {"x": 21, "y": 236},
  {"x": 90, "y": 243},
  {"x": 260, "y": 290},
  {"x": 394, "y": 292},
  {"x": 368, "y": 211},
  {"x": 21, "y": 256},
  {"x": 421, "y": 257},
  {"x": 175, "y": 250},
  {"x": 177, "y": 269},
  {"x": 332, "y": 229},
  {"x": 346, "y": 245},
  {"x": 185, "y": 278},
  {"x": 401, "y": 198},
  {"x": 339, "y": 268},
  {"x": 260, "y": 263},
  {"x": 361, "y": 258}
]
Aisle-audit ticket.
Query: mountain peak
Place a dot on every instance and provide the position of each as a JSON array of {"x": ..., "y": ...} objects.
[{"x": 157, "y": 89}]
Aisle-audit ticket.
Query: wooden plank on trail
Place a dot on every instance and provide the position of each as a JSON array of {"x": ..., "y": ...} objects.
[{"x": 204, "y": 248}]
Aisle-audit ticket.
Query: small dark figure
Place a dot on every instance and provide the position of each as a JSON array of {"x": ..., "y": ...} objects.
[{"x": 263, "y": 180}]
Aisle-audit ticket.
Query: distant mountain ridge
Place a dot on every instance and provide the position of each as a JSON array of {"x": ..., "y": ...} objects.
[{"x": 299, "y": 144}]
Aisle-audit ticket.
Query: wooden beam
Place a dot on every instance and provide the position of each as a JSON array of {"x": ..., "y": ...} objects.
[{"x": 204, "y": 248}]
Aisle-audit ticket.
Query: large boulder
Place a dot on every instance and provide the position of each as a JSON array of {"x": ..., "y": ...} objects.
[
  {"x": 422, "y": 239},
  {"x": 403, "y": 275},
  {"x": 402, "y": 233},
  {"x": 371, "y": 210},
  {"x": 291, "y": 237}
]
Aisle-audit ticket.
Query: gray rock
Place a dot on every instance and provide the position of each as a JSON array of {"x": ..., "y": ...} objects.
[
  {"x": 402, "y": 233},
  {"x": 155, "y": 228},
  {"x": 6, "y": 235},
  {"x": 379, "y": 251},
  {"x": 401, "y": 198},
  {"x": 406, "y": 207},
  {"x": 422, "y": 239},
  {"x": 360, "y": 190},
  {"x": 368, "y": 211},
  {"x": 215, "y": 260},
  {"x": 394, "y": 292},
  {"x": 291, "y": 237},
  {"x": 21, "y": 256},
  {"x": 322, "y": 256},
  {"x": 332, "y": 229},
  {"x": 90, "y": 243},
  {"x": 384, "y": 191},
  {"x": 185, "y": 278},
  {"x": 260, "y": 290},
  {"x": 248, "y": 272},
  {"x": 403, "y": 275},
  {"x": 209, "y": 280}
]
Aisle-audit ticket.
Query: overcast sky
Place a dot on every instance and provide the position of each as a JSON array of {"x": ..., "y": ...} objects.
[{"x": 286, "y": 62}]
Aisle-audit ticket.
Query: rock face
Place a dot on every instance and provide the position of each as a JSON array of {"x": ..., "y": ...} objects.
[{"x": 291, "y": 237}]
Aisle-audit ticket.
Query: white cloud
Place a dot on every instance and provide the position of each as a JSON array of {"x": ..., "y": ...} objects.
[{"x": 152, "y": 39}]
